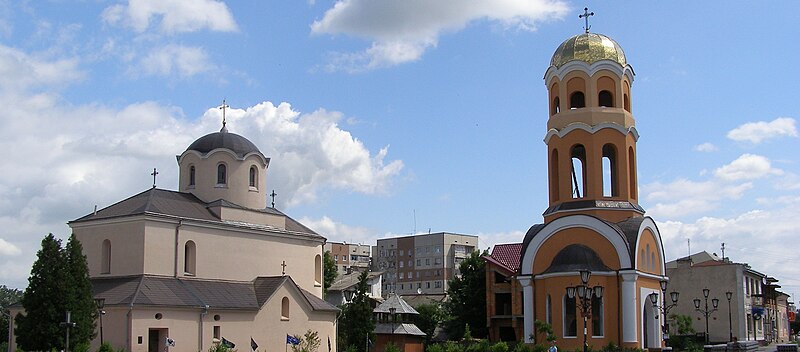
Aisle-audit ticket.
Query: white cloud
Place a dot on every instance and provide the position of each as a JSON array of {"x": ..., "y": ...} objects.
[
  {"x": 747, "y": 167},
  {"x": 176, "y": 16},
  {"x": 705, "y": 147},
  {"x": 8, "y": 249},
  {"x": 402, "y": 30},
  {"x": 684, "y": 197},
  {"x": 757, "y": 132},
  {"x": 339, "y": 232},
  {"x": 494, "y": 238},
  {"x": 175, "y": 60},
  {"x": 23, "y": 71}
]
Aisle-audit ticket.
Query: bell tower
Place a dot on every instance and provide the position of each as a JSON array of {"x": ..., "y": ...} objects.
[{"x": 591, "y": 134}]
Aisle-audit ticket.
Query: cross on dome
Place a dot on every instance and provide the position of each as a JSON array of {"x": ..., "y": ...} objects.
[
  {"x": 223, "y": 107},
  {"x": 585, "y": 16}
]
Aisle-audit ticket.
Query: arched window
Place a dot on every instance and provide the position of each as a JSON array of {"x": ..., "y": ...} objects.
[
  {"x": 105, "y": 258},
  {"x": 632, "y": 172},
  {"x": 577, "y": 100},
  {"x": 605, "y": 99},
  {"x": 570, "y": 317},
  {"x": 317, "y": 270},
  {"x": 253, "y": 177},
  {"x": 598, "y": 326},
  {"x": 222, "y": 174},
  {"x": 610, "y": 176},
  {"x": 285, "y": 308},
  {"x": 578, "y": 157},
  {"x": 190, "y": 258},
  {"x": 191, "y": 175},
  {"x": 649, "y": 258},
  {"x": 549, "y": 310},
  {"x": 556, "y": 108},
  {"x": 626, "y": 102}
]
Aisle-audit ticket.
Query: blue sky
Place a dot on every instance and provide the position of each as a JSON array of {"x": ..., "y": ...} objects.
[{"x": 385, "y": 117}]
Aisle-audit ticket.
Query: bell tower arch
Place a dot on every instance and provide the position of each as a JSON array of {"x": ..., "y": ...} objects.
[{"x": 591, "y": 133}]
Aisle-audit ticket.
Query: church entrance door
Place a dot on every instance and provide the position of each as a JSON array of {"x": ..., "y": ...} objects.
[{"x": 156, "y": 340}]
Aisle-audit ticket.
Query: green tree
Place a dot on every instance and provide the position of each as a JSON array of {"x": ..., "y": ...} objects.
[
  {"x": 357, "y": 322},
  {"x": 329, "y": 270},
  {"x": 467, "y": 304},
  {"x": 8, "y": 296},
  {"x": 430, "y": 316},
  {"x": 684, "y": 323},
  {"x": 80, "y": 301},
  {"x": 44, "y": 301},
  {"x": 309, "y": 342}
]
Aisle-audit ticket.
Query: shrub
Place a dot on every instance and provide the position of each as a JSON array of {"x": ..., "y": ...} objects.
[{"x": 499, "y": 347}]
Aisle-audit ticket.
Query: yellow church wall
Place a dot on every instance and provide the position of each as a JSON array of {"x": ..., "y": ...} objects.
[
  {"x": 555, "y": 287},
  {"x": 237, "y": 189},
  {"x": 272, "y": 328},
  {"x": 648, "y": 257},
  {"x": 127, "y": 247}
]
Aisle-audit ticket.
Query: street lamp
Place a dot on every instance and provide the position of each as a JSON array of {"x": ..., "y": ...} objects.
[
  {"x": 101, "y": 302},
  {"x": 706, "y": 312},
  {"x": 664, "y": 308},
  {"x": 585, "y": 294},
  {"x": 348, "y": 295},
  {"x": 729, "y": 295},
  {"x": 68, "y": 324}
]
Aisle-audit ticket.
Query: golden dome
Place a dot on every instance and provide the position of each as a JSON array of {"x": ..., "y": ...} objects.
[{"x": 589, "y": 48}]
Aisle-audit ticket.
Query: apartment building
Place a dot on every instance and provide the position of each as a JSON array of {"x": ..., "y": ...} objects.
[
  {"x": 349, "y": 257},
  {"x": 421, "y": 264}
]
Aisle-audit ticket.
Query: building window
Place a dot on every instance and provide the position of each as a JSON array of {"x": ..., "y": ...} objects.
[
  {"x": 401, "y": 263},
  {"x": 419, "y": 261},
  {"x": 437, "y": 261},
  {"x": 217, "y": 332},
  {"x": 222, "y": 176},
  {"x": 317, "y": 270},
  {"x": 577, "y": 100},
  {"x": 598, "y": 328},
  {"x": 191, "y": 176},
  {"x": 105, "y": 264},
  {"x": 548, "y": 310},
  {"x": 570, "y": 317},
  {"x": 336, "y": 258},
  {"x": 253, "y": 177},
  {"x": 555, "y": 109},
  {"x": 610, "y": 179},
  {"x": 606, "y": 99},
  {"x": 428, "y": 284},
  {"x": 189, "y": 258},
  {"x": 285, "y": 308},
  {"x": 427, "y": 261}
]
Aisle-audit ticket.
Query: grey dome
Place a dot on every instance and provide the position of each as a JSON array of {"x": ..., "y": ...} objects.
[
  {"x": 224, "y": 139},
  {"x": 576, "y": 257}
]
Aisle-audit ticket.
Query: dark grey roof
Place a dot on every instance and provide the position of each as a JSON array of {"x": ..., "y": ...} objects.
[
  {"x": 394, "y": 301},
  {"x": 630, "y": 230},
  {"x": 346, "y": 281},
  {"x": 576, "y": 257},
  {"x": 148, "y": 290},
  {"x": 156, "y": 201},
  {"x": 584, "y": 204},
  {"x": 223, "y": 139},
  {"x": 526, "y": 241},
  {"x": 399, "y": 329}
]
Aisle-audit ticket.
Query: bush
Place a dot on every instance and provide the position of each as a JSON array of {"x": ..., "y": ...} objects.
[
  {"x": 522, "y": 347},
  {"x": 499, "y": 347},
  {"x": 391, "y": 347}
]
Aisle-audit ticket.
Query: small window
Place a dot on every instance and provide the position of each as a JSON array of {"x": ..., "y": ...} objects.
[
  {"x": 217, "y": 332},
  {"x": 598, "y": 327},
  {"x": 189, "y": 258},
  {"x": 253, "y": 177},
  {"x": 549, "y": 310},
  {"x": 627, "y": 102},
  {"x": 317, "y": 270},
  {"x": 578, "y": 172},
  {"x": 577, "y": 100},
  {"x": 556, "y": 108},
  {"x": 285, "y": 308},
  {"x": 191, "y": 175},
  {"x": 605, "y": 99},
  {"x": 222, "y": 176},
  {"x": 105, "y": 265}
]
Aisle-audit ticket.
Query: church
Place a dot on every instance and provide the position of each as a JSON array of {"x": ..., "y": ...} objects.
[
  {"x": 207, "y": 264},
  {"x": 590, "y": 268}
]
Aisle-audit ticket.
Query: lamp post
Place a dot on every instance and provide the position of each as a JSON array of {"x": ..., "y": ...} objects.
[
  {"x": 706, "y": 312},
  {"x": 664, "y": 308},
  {"x": 585, "y": 294},
  {"x": 348, "y": 298},
  {"x": 101, "y": 302},
  {"x": 68, "y": 324},
  {"x": 729, "y": 295}
]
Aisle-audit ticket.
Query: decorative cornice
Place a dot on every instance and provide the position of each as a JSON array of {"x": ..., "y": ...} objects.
[
  {"x": 591, "y": 129},
  {"x": 610, "y": 65}
]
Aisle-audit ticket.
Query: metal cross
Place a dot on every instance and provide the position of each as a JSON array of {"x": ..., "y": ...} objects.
[
  {"x": 154, "y": 174},
  {"x": 283, "y": 268},
  {"x": 223, "y": 107},
  {"x": 585, "y": 16},
  {"x": 273, "y": 194}
]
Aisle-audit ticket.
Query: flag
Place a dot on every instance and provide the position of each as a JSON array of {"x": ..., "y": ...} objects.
[
  {"x": 170, "y": 342},
  {"x": 227, "y": 343},
  {"x": 253, "y": 344},
  {"x": 292, "y": 340}
]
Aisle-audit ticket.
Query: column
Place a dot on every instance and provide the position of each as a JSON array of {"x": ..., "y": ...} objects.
[
  {"x": 628, "y": 303},
  {"x": 528, "y": 302}
]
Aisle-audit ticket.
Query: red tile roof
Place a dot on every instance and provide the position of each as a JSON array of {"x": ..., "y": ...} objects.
[{"x": 506, "y": 256}]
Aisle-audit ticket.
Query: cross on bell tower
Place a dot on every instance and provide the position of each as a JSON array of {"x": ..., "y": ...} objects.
[
  {"x": 154, "y": 174},
  {"x": 224, "y": 107},
  {"x": 585, "y": 16}
]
